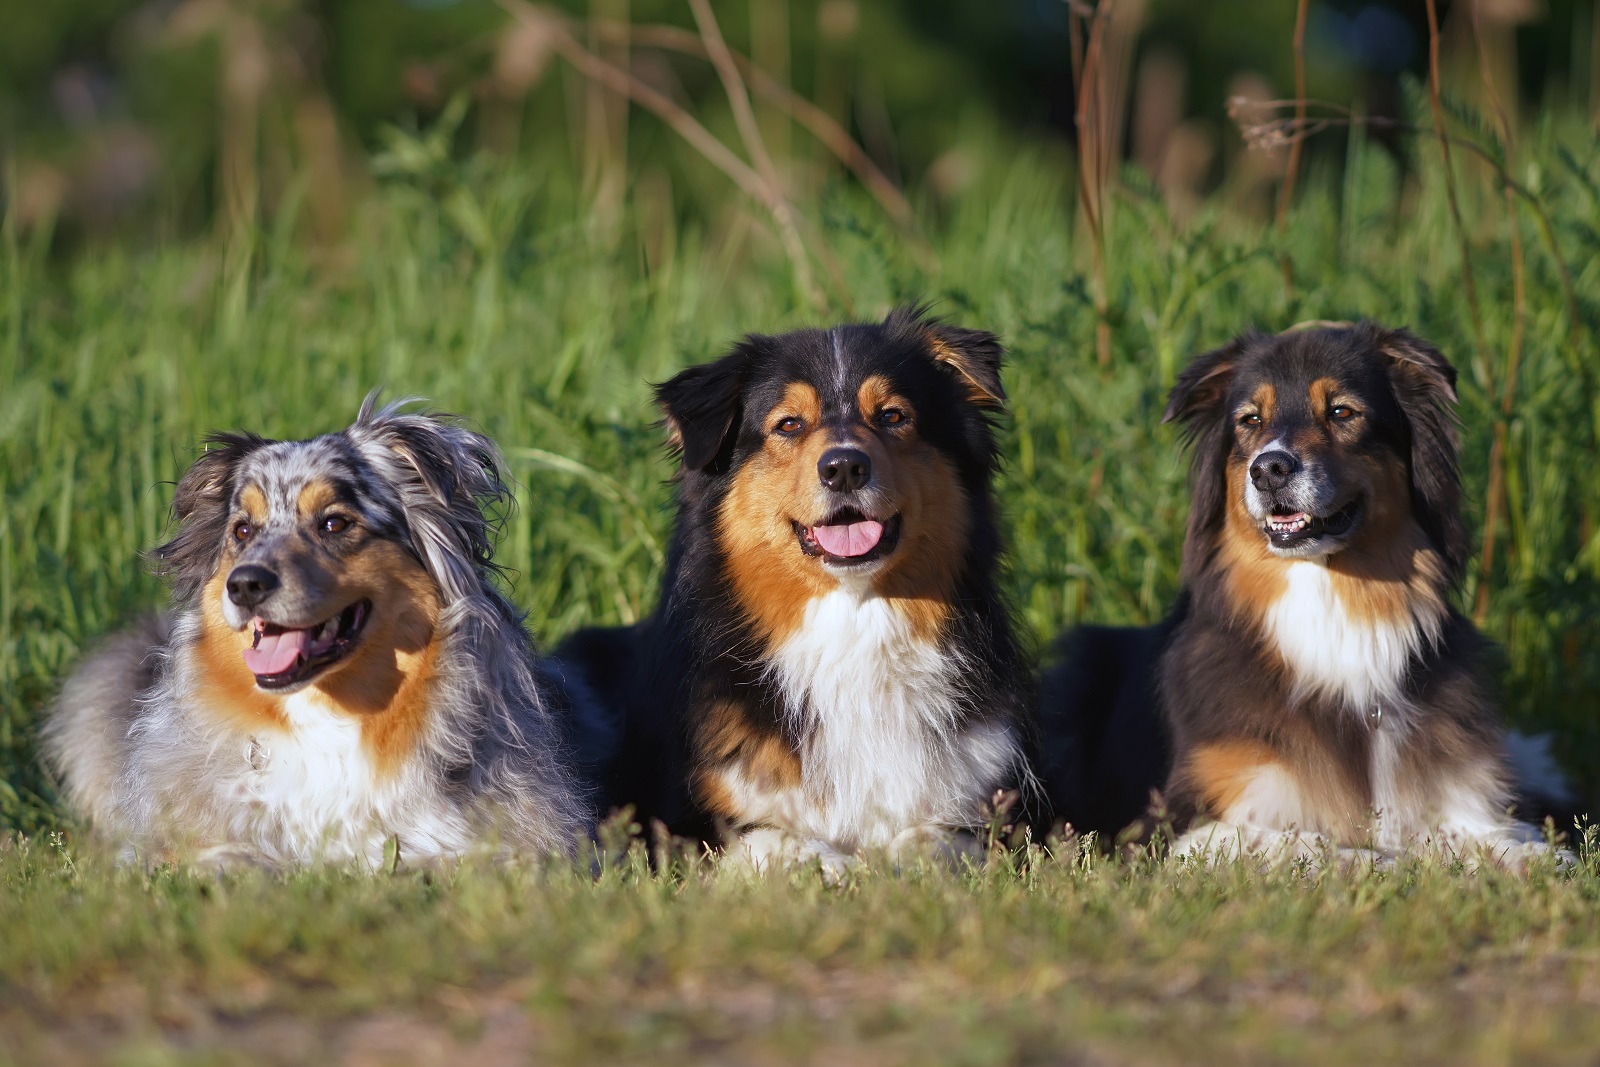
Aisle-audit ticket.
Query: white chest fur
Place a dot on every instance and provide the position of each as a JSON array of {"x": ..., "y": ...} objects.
[
  {"x": 313, "y": 792},
  {"x": 1331, "y": 650},
  {"x": 878, "y": 707}
]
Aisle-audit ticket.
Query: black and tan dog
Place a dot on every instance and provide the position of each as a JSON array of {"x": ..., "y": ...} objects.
[
  {"x": 832, "y": 668},
  {"x": 340, "y": 674},
  {"x": 1314, "y": 686}
]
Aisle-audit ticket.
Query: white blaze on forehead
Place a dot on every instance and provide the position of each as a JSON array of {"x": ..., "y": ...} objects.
[{"x": 841, "y": 372}]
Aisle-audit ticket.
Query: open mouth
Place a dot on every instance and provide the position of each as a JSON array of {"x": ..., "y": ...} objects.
[
  {"x": 281, "y": 656},
  {"x": 1287, "y": 529},
  {"x": 849, "y": 538}
]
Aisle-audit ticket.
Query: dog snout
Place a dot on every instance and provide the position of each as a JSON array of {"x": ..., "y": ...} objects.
[
  {"x": 249, "y": 584},
  {"x": 1272, "y": 470},
  {"x": 844, "y": 470}
]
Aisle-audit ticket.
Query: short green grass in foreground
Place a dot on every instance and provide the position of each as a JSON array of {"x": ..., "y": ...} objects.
[
  {"x": 1066, "y": 961},
  {"x": 488, "y": 290}
]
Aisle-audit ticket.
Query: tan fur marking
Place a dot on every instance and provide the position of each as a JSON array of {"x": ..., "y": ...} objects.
[
  {"x": 386, "y": 680},
  {"x": 226, "y": 685},
  {"x": 762, "y": 757},
  {"x": 1389, "y": 571},
  {"x": 799, "y": 400},
  {"x": 1321, "y": 393},
  {"x": 922, "y": 574},
  {"x": 1221, "y": 772},
  {"x": 314, "y": 496},
  {"x": 772, "y": 490},
  {"x": 1265, "y": 400},
  {"x": 254, "y": 502},
  {"x": 876, "y": 394},
  {"x": 1255, "y": 577}
]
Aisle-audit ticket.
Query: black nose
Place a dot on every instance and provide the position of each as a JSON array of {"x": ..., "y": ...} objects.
[
  {"x": 844, "y": 470},
  {"x": 1272, "y": 470},
  {"x": 249, "y": 585}
]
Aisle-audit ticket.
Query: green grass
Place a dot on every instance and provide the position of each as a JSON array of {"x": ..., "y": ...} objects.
[
  {"x": 489, "y": 290},
  {"x": 1065, "y": 961}
]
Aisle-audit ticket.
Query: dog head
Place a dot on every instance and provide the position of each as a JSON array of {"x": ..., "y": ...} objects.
[
  {"x": 851, "y": 455},
  {"x": 319, "y": 554},
  {"x": 1318, "y": 439}
]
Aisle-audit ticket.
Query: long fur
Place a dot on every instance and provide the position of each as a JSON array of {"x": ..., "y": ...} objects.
[
  {"x": 1289, "y": 705},
  {"x": 798, "y": 712},
  {"x": 163, "y": 768}
]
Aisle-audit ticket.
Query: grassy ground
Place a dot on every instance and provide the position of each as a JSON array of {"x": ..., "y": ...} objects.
[
  {"x": 489, "y": 290},
  {"x": 1064, "y": 962}
]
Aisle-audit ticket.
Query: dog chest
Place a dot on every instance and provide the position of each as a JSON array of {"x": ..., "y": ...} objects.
[{"x": 880, "y": 714}]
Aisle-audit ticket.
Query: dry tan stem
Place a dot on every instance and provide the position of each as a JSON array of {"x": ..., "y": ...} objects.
[
  {"x": 1286, "y": 193},
  {"x": 680, "y": 121},
  {"x": 1091, "y": 174},
  {"x": 816, "y": 121},
  {"x": 1467, "y": 278},
  {"x": 744, "y": 118},
  {"x": 1496, "y": 502}
]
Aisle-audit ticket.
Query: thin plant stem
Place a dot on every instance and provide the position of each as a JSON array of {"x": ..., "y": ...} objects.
[
  {"x": 1292, "y": 170},
  {"x": 744, "y": 117},
  {"x": 680, "y": 121},
  {"x": 1468, "y": 282}
]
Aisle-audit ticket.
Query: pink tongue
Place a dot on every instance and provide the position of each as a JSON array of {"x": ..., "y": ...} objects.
[
  {"x": 856, "y": 539},
  {"x": 276, "y": 653}
]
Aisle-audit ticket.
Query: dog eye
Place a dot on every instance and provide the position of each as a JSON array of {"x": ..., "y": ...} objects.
[
  {"x": 335, "y": 524},
  {"x": 1251, "y": 419},
  {"x": 242, "y": 531},
  {"x": 891, "y": 417},
  {"x": 791, "y": 426},
  {"x": 1342, "y": 411}
]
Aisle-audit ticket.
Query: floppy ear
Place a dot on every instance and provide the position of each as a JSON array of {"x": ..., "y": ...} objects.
[
  {"x": 702, "y": 407},
  {"x": 200, "y": 506},
  {"x": 448, "y": 480},
  {"x": 1196, "y": 402},
  {"x": 1424, "y": 382},
  {"x": 1203, "y": 385},
  {"x": 976, "y": 357}
]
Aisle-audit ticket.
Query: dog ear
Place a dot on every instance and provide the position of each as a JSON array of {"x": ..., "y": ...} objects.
[
  {"x": 450, "y": 481},
  {"x": 1196, "y": 402},
  {"x": 200, "y": 506},
  {"x": 701, "y": 407},
  {"x": 1203, "y": 385},
  {"x": 1424, "y": 383},
  {"x": 976, "y": 357}
]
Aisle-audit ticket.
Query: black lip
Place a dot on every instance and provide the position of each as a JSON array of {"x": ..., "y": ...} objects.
[
  {"x": 352, "y": 621},
  {"x": 886, "y": 544},
  {"x": 1339, "y": 524}
]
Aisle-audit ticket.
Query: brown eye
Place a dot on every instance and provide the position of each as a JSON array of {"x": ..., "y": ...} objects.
[
  {"x": 891, "y": 417},
  {"x": 242, "y": 532},
  {"x": 335, "y": 524},
  {"x": 791, "y": 426},
  {"x": 1250, "y": 420},
  {"x": 1342, "y": 412}
]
